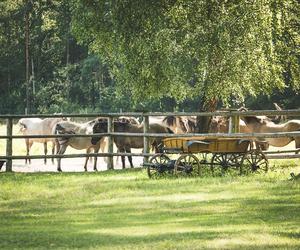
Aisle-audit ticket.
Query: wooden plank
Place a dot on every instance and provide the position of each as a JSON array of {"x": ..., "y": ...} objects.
[
  {"x": 230, "y": 125},
  {"x": 282, "y": 151},
  {"x": 110, "y": 128},
  {"x": 281, "y": 156},
  {"x": 214, "y": 135},
  {"x": 146, "y": 139},
  {"x": 211, "y": 135},
  {"x": 237, "y": 124},
  {"x": 52, "y": 136},
  {"x": 21, "y": 157},
  {"x": 9, "y": 129},
  {"x": 293, "y": 112}
]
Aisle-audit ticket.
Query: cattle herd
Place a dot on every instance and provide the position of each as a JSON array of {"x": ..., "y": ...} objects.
[{"x": 168, "y": 124}]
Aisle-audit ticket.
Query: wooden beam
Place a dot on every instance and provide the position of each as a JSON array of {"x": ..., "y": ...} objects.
[
  {"x": 208, "y": 136},
  {"x": 9, "y": 129},
  {"x": 146, "y": 139},
  {"x": 20, "y": 157},
  {"x": 291, "y": 112},
  {"x": 110, "y": 128},
  {"x": 230, "y": 125}
]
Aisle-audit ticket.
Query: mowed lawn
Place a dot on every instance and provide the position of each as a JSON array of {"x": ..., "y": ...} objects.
[{"x": 126, "y": 210}]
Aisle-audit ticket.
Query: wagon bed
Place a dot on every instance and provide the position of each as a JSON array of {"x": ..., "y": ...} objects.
[{"x": 205, "y": 145}]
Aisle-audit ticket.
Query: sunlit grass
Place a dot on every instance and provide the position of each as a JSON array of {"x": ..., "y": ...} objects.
[{"x": 126, "y": 210}]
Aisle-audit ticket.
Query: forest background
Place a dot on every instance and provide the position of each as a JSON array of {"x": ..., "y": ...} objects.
[{"x": 109, "y": 56}]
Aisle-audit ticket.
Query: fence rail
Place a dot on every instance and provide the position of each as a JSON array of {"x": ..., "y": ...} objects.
[
  {"x": 233, "y": 115},
  {"x": 290, "y": 112},
  {"x": 210, "y": 135},
  {"x": 20, "y": 157}
]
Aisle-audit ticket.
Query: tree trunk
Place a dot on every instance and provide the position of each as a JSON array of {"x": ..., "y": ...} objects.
[
  {"x": 203, "y": 122},
  {"x": 67, "y": 49},
  {"x": 27, "y": 59},
  {"x": 8, "y": 31}
]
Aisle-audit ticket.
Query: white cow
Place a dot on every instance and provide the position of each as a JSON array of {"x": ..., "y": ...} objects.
[
  {"x": 79, "y": 143},
  {"x": 37, "y": 126}
]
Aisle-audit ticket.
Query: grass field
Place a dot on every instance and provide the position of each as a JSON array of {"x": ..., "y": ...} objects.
[{"x": 126, "y": 210}]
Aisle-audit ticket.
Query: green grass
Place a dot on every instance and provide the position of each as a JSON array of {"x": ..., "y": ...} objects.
[{"x": 126, "y": 210}]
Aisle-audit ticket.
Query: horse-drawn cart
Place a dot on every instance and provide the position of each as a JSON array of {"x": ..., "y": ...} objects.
[{"x": 226, "y": 153}]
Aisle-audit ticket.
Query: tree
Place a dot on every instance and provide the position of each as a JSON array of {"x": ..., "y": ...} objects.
[
  {"x": 218, "y": 50},
  {"x": 35, "y": 44},
  {"x": 286, "y": 39},
  {"x": 159, "y": 54},
  {"x": 12, "y": 67},
  {"x": 180, "y": 48}
]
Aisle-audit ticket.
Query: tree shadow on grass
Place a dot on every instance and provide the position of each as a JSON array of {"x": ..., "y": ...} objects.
[{"x": 152, "y": 221}]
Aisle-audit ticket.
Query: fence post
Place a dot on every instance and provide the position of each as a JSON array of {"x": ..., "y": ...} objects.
[
  {"x": 236, "y": 124},
  {"x": 9, "y": 129},
  {"x": 146, "y": 139},
  {"x": 230, "y": 125},
  {"x": 110, "y": 128}
]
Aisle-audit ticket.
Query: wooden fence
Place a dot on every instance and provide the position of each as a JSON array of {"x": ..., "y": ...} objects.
[{"x": 232, "y": 133}]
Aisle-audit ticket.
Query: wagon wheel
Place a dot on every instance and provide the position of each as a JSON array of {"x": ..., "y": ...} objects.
[
  {"x": 221, "y": 163},
  {"x": 157, "y": 170},
  {"x": 187, "y": 164},
  {"x": 254, "y": 161},
  {"x": 237, "y": 159}
]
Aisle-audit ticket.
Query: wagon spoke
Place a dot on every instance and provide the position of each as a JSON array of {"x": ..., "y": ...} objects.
[
  {"x": 187, "y": 165},
  {"x": 159, "y": 168},
  {"x": 205, "y": 164},
  {"x": 255, "y": 161},
  {"x": 251, "y": 157},
  {"x": 216, "y": 164},
  {"x": 223, "y": 162},
  {"x": 260, "y": 160}
]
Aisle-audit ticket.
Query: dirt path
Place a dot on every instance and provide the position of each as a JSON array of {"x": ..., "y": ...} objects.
[{"x": 67, "y": 165}]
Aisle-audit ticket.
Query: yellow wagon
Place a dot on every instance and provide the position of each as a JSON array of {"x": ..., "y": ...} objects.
[{"x": 227, "y": 153}]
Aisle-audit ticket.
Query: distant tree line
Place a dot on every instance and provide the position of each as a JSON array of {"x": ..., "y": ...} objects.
[{"x": 134, "y": 55}]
